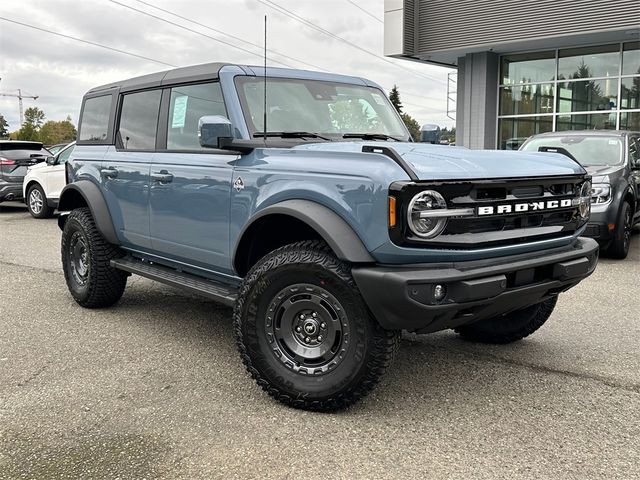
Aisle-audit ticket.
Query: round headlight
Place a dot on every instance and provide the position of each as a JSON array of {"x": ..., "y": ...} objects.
[
  {"x": 423, "y": 224},
  {"x": 584, "y": 207}
]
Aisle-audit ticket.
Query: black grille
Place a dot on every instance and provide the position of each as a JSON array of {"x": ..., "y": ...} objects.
[{"x": 479, "y": 231}]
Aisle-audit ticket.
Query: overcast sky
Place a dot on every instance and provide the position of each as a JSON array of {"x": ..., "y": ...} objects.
[{"x": 60, "y": 70}]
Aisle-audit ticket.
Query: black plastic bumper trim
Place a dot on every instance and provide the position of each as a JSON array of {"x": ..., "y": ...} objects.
[{"x": 401, "y": 297}]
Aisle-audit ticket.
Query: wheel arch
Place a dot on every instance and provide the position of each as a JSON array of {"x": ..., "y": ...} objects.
[
  {"x": 85, "y": 193},
  {"x": 291, "y": 221},
  {"x": 30, "y": 184}
]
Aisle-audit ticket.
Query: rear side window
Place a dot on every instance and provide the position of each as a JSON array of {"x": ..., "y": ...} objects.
[
  {"x": 189, "y": 103},
  {"x": 94, "y": 124},
  {"x": 139, "y": 120}
]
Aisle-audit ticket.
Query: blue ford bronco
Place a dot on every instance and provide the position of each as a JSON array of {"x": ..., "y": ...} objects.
[{"x": 312, "y": 213}]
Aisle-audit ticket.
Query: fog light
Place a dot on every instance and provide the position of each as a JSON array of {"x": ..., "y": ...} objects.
[{"x": 439, "y": 292}]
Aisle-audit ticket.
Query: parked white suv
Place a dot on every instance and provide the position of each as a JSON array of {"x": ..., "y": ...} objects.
[{"x": 44, "y": 182}]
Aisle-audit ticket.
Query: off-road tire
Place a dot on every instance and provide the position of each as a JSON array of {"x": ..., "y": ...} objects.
[
  {"x": 45, "y": 211},
  {"x": 103, "y": 285},
  {"x": 511, "y": 327},
  {"x": 619, "y": 247},
  {"x": 368, "y": 352}
]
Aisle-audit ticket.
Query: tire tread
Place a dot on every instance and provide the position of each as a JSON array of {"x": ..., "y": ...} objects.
[
  {"x": 106, "y": 284},
  {"x": 385, "y": 342}
]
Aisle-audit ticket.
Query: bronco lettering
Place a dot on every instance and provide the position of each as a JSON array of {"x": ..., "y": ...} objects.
[{"x": 524, "y": 207}]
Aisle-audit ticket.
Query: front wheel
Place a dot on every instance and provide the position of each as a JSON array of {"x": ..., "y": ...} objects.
[
  {"x": 619, "y": 247},
  {"x": 304, "y": 332},
  {"x": 86, "y": 257},
  {"x": 511, "y": 327}
]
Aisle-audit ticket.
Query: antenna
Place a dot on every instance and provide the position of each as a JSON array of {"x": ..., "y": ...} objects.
[{"x": 264, "y": 120}]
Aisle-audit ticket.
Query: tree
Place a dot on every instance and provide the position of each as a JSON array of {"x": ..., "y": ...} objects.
[
  {"x": 394, "y": 97},
  {"x": 33, "y": 120},
  {"x": 448, "y": 135},
  {"x": 53, "y": 132},
  {"x": 412, "y": 125},
  {"x": 4, "y": 127}
]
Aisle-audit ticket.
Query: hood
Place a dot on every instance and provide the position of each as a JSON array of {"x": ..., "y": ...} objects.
[
  {"x": 441, "y": 162},
  {"x": 603, "y": 173}
]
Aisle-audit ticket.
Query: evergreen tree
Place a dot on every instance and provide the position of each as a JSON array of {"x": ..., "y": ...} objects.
[
  {"x": 394, "y": 97},
  {"x": 4, "y": 127}
]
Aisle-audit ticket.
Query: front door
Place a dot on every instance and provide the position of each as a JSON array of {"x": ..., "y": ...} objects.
[
  {"x": 190, "y": 190},
  {"x": 634, "y": 164}
]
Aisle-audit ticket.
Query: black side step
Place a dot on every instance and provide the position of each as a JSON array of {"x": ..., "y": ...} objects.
[{"x": 216, "y": 291}]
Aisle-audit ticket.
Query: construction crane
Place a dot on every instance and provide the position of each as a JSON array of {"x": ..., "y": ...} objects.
[{"x": 20, "y": 97}]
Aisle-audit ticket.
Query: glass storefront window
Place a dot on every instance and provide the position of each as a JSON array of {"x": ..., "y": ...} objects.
[
  {"x": 528, "y": 68},
  {"x": 526, "y": 99},
  {"x": 587, "y": 95},
  {"x": 590, "y": 121},
  {"x": 630, "y": 121},
  {"x": 514, "y": 131},
  {"x": 630, "y": 93},
  {"x": 603, "y": 61},
  {"x": 580, "y": 88},
  {"x": 631, "y": 58}
]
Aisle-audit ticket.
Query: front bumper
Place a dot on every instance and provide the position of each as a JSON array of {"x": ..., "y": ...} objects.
[
  {"x": 10, "y": 191},
  {"x": 401, "y": 297},
  {"x": 599, "y": 221}
]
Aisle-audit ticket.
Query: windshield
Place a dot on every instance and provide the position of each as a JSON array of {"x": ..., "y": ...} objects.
[
  {"x": 587, "y": 150},
  {"x": 324, "y": 108}
]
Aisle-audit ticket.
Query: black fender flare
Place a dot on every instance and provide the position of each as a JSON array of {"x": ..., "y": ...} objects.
[
  {"x": 330, "y": 226},
  {"x": 94, "y": 199}
]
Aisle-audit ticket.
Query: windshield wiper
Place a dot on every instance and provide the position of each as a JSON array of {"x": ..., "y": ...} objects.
[
  {"x": 371, "y": 136},
  {"x": 290, "y": 135}
]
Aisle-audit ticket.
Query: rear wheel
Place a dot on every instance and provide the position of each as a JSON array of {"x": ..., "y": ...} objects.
[
  {"x": 619, "y": 247},
  {"x": 304, "y": 332},
  {"x": 37, "y": 202},
  {"x": 511, "y": 327},
  {"x": 86, "y": 258}
]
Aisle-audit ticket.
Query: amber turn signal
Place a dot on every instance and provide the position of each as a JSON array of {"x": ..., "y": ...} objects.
[{"x": 392, "y": 212}]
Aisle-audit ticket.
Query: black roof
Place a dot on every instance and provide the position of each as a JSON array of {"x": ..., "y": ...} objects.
[{"x": 195, "y": 73}]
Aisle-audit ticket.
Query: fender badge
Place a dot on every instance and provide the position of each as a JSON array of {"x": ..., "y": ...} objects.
[{"x": 238, "y": 184}]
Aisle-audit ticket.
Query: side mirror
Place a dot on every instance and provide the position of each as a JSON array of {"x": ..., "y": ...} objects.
[
  {"x": 52, "y": 161},
  {"x": 212, "y": 129}
]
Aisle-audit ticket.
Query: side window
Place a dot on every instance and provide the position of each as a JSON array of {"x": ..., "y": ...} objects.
[
  {"x": 139, "y": 120},
  {"x": 94, "y": 124},
  {"x": 65, "y": 154},
  {"x": 187, "y": 104},
  {"x": 634, "y": 151}
]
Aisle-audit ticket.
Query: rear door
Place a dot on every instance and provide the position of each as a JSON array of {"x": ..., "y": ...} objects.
[
  {"x": 16, "y": 157},
  {"x": 125, "y": 167}
]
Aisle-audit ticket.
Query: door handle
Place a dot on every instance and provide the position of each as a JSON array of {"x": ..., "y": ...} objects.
[
  {"x": 162, "y": 177},
  {"x": 109, "y": 172}
]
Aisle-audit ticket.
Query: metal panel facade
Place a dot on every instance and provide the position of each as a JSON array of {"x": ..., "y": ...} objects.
[{"x": 460, "y": 24}]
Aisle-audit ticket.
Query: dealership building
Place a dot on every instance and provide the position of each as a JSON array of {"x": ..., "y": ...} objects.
[{"x": 526, "y": 66}]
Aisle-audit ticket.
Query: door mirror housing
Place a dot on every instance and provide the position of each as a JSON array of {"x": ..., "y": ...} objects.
[
  {"x": 214, "y": 130},
  {"x": 52, "y": 161}
]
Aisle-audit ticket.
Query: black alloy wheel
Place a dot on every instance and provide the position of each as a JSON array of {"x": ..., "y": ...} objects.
[{"x": 304, "y": 332}]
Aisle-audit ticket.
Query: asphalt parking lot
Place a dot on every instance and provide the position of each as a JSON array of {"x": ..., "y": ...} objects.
[{"x": 153, "y": 388}]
